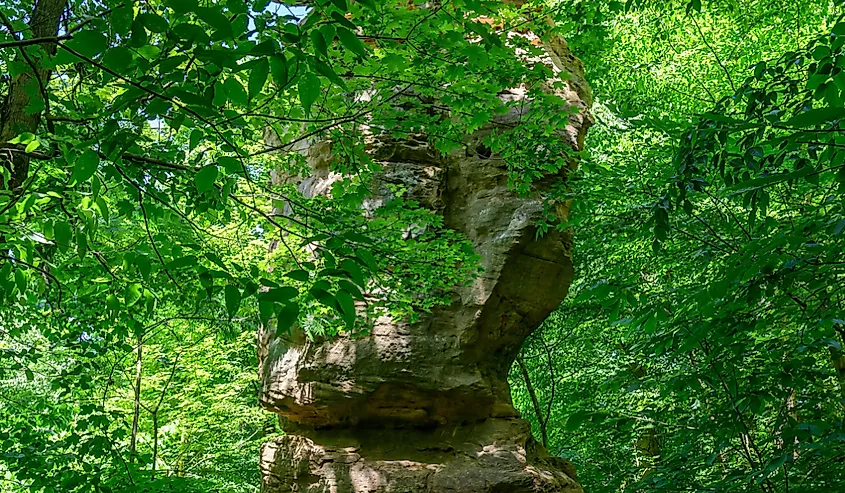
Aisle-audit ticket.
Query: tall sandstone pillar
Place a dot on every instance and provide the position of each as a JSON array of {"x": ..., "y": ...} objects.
[{"x": 425, "y": 407}]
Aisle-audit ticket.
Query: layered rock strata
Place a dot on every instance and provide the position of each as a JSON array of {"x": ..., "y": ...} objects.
[{"x": 425, "y": 406}]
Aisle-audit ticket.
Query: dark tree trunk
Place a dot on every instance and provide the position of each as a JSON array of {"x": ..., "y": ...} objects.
[{"x": 28, "y": 89}]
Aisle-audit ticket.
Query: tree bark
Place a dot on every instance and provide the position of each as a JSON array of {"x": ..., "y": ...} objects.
[
  {"x": 538, "y": 412},
  {"x": 837, "y": 356},
  {"x": 155, "y": 411},
  {"x": 137, "y": 402},
  {"x": 647, "y": 443},
  {"x": 15, "y": 115}
]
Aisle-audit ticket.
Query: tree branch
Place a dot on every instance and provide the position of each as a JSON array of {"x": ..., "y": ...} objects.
[{"x": 33, "y": 41}]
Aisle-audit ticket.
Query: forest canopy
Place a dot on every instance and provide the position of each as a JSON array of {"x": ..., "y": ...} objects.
[{"x": 149, "y": 226}]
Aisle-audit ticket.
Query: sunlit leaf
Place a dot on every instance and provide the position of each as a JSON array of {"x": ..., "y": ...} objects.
[
  {"x": 205, "y": 178},
  {"x": 309, "y": 91}
]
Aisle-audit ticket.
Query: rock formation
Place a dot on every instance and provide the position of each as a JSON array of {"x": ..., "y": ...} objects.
[{"x": 425, "y": 407}]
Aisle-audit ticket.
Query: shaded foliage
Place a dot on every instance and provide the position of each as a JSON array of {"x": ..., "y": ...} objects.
[{"x": 702, "y": 350}]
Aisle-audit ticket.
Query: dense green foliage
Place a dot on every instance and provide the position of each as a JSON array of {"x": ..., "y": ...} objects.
[
  {"x": 701, "y": 349},
  {"x": 138, "y": 206}
]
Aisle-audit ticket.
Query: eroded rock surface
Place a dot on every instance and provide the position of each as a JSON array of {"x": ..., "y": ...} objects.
[
  {"x": 425, "y": 407},
  {"x": 495, "y": 455}
]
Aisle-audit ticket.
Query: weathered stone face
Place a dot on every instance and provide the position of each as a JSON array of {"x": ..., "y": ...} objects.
[
  {"x": 496, "y": 455},
  {"x": 426, "y": 406}
]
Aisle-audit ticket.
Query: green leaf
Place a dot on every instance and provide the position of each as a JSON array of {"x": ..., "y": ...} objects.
[
  {"x": 132, "y": 294},
  {"x": 5, "y": 176},
  {"x": 204, "y": 179},
  {"x": 190, "y": 32},
  {"x": 139, "y": 34},
  {"x": 103, "y": 208},
  {"x": 693, "y": 5},
  {"x": 279, "y": 68},
  {"x": 6, "y": 283},
  {"x": 118, "y": 58},
  {"x": 142, "y": 262},
  {"x": 341, "y": 4},
  {"x": 85, "y": 166},
  {"x": 233, "y": 299},
  {"x": 574, "y": 421},
  {"x": 347, "y": 306},
  {"x": 197, "y": 135},
  {"x": 329, "y": 32},
  {"x": 112, "y": 303},
  {"x": 258, "y": 77},
  {"x": 821, "y": 52},
  {"x": 265, "y": 48},
  {"x": 20, "y": 280},
  {"x": 350, "y": 288},
  {"x": 191, "y": 98},
  {"x": 298, "y": 275},
  {"x": 232, "y": 165},
  {"x": 309, "y": 91},
  {"x": 267, "y": 282},
  {"x": 121, "y": 19},
  {"x": 291, "y": 34},
  {"x": 325, "y": 298},
  {"x": 281, "y": 294},
  {"x": 216, "y": 260},
  {"x": 89, "y": 43},
  {"x": 817, "y": 116},
  {"x": 47, "y": 231},
  {"x": 32, "y": 145},
  {"x": 237, "y": 6},
  {"x": 149, "y": 302},
  {"x": 64, "y": 235},
  {"x": 182, "y": 262},
  {"x": 319, "y": 43},
  {"x": 235, "y": 91},
  {"x": 367, "y": 258},
  {"x": 214, "y": 18},
  {"x": 182, "y": 6},
  {"x": 286, "y": 317},
  {"x": 352, "y": 42},
  {"x": 326, "y": 71},
  {"x": 265, "y": 310},
  {"x": 354, "y": 271},
  {"x": 154, "y": 22},
  {"x": 343, "y": 21},
  {"x": 765, "y": 181}
]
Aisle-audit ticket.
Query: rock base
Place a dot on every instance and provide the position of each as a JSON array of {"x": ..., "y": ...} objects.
[{"x": 494, "y": 456}]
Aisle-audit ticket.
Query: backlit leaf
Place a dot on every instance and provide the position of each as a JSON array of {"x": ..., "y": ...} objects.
[
  {"x": 233, "y": 299},
  {"x": 309, "y": 91},
  {"x": 204, "y": 179},
  {"x": 351, "y": 42},
  {"x": 258, "y": 77}
]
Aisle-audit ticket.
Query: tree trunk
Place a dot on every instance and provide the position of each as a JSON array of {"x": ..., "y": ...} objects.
[
  {"x": 535, "y": 403},
  {"x": 155, "y": 445},
  {"x": 425, "y": 406},
  {"x": 648, "y": 450},
  {"x": 837, "y": 356},
  {"x": 16, "y": 113},
  {"x": 647, "y": 444},
  {"x": 137, "y": 408}
]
